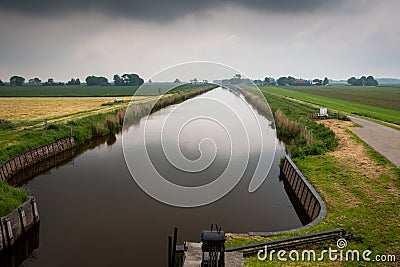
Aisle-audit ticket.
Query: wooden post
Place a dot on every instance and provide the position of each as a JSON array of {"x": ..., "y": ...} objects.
[
  {"x": 22, "y": 219},
  {"x": 9, "y": 233},
  {"x": 35, "y": 212}
]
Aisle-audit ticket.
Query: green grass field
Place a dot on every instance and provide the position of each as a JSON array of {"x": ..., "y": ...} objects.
[
  {"x": 359, "y": 100},
  {"x": 10, "y": 198},
  {"x": 382, "y": 97},
  {"x": 83, "y": 90}
]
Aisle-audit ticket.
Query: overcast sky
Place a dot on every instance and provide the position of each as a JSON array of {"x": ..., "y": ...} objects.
[{"x": 307, "y": 39}]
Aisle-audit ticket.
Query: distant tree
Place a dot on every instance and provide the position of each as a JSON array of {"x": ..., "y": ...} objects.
[
  {"x": 258, "y": 82},
  {"x": 359, "y": 82},
  {"x": 290, "y": 80},
  {"x": 118, "y": 81},
  {"x": 17, "y": 80},
  {"x": 237, "y": 79},
  {"x": 35, "y": 81},
  {"x": 74, "y": 81},
  {"x": 352, "y": 80},
  {"x": 50, "y": 82},
  {"x": 102, "y": 81},
  {"x": 317, "y": 82},
  {"x": 326, "y": 81},
  {"x": 363, "y": 81},
  {"x": 132, "y": 79},
  {"x": 370, "y": 81},
  {"x": 93, "y": 80},
  {"x": 177, "y": 81},
  {"x": 150, "y": 81},
  {"x": 267, "y": 79},
  {"x": 1, "y": 83},
  {"x": 282, "y": 81},
  {"x": 71, "y": 82}
]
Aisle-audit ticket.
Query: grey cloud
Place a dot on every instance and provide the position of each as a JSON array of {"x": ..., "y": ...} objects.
[{"x": 156, "y": 10}]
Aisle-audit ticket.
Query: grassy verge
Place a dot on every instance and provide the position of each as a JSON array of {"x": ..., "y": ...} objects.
[
  {"x": 388, "y": 115},
  {"x": 302, "y": 135},
  {"x": 364, "y": 201},
  {"x": 10, "y": 198}
]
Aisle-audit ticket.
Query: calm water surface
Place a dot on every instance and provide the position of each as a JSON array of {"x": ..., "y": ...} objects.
[{"x": 94, "y": 214}]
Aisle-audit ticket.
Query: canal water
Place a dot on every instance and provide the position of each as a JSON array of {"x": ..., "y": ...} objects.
[{"x": 93, "y": 213}]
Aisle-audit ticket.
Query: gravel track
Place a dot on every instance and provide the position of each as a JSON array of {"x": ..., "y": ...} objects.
[{"x": 383, "y": 139}]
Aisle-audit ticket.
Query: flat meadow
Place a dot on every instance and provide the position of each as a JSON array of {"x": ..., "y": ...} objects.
[
  {"x": 84, "y": 90},
  {"x": 50, "y": 108},
  {"x": 380, "y": 96},
  {"x": 381, "y": 103}
]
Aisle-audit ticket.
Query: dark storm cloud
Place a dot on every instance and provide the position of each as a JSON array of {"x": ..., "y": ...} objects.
[{"x": 156, "y": 10}]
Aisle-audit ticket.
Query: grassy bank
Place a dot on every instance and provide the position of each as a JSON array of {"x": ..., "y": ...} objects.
[
  {"x": 359, "y": 187},
  {"x": 348, "y": 106},
  {"x": 302, "y": 135},
  {"x": 18, "y": 140},
  {"x": 10, "y": 198}
]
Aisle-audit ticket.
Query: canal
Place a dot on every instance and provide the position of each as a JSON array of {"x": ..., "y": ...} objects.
[{"x": 93, "y": 213}]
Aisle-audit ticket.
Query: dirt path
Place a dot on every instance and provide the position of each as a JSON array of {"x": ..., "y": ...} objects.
[
  {"x": 350, "y": 153},
  {"x": 383, "y": 139}
]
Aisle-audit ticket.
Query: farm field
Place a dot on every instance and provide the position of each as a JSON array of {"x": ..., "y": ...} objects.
[
  {"x": 383, "y": 97},
  {"x": 54, "y": 91},
  {"x": 352, "y": 105},
  {"x": 84, "y": 90},
  {"x": 50, "y": 108}
]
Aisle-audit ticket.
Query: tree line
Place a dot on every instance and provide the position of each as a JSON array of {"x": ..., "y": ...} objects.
[
  {"x": 292, "y": 81},
  {"x": 289, "y": 80},
  {"x": 362, "y": 81},
  {"x": 92, "y": 80}
]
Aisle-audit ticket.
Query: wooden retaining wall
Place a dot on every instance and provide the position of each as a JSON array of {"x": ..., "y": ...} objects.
[
  {"x": 16, "y": 164},
  {"x": 302, "y": 189},
  {"x": 17, "y": 223},
  {"x": 31, "y": 171}
]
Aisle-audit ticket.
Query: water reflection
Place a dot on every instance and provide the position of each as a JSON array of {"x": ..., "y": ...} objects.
[{"x": 22, "y": 250}]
